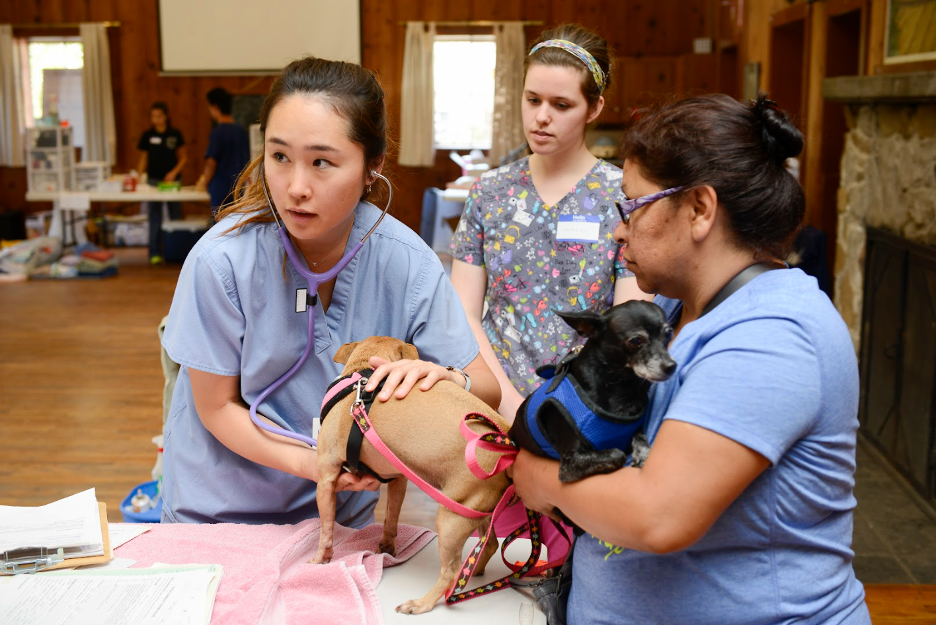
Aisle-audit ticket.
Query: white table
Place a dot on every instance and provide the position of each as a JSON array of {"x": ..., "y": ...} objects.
[
  {"x": 415, "y": 577},
  {"x": 67, "y": 204}
]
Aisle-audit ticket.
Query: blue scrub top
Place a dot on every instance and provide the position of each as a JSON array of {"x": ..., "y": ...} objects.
[{"x": 233, "y": 314}]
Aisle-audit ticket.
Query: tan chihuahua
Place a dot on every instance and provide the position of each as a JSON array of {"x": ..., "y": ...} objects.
[{"x": 422, "y": 430}]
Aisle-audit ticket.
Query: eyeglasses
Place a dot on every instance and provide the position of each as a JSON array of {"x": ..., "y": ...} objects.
[{"x": 626, "y": 207}]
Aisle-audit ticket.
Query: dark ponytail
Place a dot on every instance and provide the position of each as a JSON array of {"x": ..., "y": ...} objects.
[
  {"x": 737, "y": 149},
  {"x": 781, "y": 138}
]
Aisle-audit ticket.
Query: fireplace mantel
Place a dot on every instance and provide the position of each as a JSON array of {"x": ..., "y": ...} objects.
[{"x": 910, "y": 88}]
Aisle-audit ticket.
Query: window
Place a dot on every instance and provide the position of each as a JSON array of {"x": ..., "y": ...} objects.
[
  {"x": 54, "y": 91},
  {"x": 463, "y": 73}
]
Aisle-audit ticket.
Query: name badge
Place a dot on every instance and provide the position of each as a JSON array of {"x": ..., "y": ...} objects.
[
  {"x": 523, "y": 217},
  {"x": 578, "y": 228},
  {"x": 156, "y": 140},
  {"x": 316, "y": 427}
]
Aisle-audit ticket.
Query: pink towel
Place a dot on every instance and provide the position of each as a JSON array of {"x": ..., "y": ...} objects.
[{"x": 267, "y": 575}]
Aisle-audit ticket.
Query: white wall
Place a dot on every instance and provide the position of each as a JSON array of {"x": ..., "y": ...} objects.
[{"x": 224, "y": 36}]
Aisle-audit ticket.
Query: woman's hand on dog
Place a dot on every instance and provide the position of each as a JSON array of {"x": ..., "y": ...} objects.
[
  {"x": 346, "y": 481},
  {"x": 401, "y": 376},
  {"x": 534, "y": 477}
]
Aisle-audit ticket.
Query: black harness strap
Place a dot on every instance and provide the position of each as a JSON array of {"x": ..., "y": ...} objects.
[
  {"x": 356, "y": 437},
  {"x": 744, "y": 277}
]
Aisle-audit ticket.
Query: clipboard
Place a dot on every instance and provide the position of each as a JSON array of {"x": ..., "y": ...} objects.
[{"x": 44, "y": 556}]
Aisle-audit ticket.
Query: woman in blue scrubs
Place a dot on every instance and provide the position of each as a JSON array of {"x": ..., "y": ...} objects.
[{"x": 233, "y": 325}]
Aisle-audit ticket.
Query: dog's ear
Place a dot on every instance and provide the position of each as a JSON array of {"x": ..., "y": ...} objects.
[
  {"x": 408, "y": 351},
  {"x": 585, "y": 323},
  {"x": 344, "y": 352}
]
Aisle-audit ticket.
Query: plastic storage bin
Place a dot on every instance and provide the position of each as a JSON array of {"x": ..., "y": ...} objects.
[
  {"x": 153, "y": 515},
  {"x": 180, "y": 236}
]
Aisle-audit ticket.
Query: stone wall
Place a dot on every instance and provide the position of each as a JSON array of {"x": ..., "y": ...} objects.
[{"x": 889, "y": 182}]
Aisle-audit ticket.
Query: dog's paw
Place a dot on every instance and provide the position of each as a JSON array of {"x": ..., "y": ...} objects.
[
  {"x": 414, "y": 607},
  {"x": 583, "y": 464},
  {"x": 640, "y": 450},
  {"x": 387, "y": 548},
  {"x": 322, "y": 557}
]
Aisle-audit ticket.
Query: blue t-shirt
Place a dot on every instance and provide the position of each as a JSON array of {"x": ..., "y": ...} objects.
[
  {"x": 234, "y": 314},
  {"x": 773, "y": 368},
  {"x": 229, "y": 146}
]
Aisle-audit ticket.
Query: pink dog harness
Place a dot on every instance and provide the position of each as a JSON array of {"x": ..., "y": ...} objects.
[{"x": 496, "y": 441}]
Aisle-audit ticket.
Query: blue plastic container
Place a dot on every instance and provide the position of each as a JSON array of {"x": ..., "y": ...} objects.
[{"x": 151, "y": 516}]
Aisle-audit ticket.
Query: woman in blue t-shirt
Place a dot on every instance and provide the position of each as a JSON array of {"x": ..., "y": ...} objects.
[{"x": 743, "y": 511}]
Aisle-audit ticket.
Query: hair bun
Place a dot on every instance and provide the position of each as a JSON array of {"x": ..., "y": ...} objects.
[{"x": 781, "y": 138}]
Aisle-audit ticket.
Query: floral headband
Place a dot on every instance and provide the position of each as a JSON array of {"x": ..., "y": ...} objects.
[{"x": 583, "y": 55}]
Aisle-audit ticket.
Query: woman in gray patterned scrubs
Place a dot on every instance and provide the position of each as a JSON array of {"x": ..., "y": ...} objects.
[{"x": 536, "y": 235}]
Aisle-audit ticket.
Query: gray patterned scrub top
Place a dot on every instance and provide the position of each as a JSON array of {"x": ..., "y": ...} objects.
[{"x": 540, "y": 260}]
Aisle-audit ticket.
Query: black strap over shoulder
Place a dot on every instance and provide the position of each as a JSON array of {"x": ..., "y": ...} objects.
[
  {"x": 744, "y": 277},
  {"x": 356, "y": 437}
]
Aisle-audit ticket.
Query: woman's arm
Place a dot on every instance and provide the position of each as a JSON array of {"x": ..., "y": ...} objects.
[
  {"x": 210, "y": 166},
  {"x": 690, "y": 478},
  {"x": 224, "y": 414},
  {"x": 626, "y": 289},
  {"x": 181, "y": 158},
  {"x": 470, "y": 283}
]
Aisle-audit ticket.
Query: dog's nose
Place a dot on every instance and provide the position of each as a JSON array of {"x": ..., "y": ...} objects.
[{"x": 669, "y": 367}]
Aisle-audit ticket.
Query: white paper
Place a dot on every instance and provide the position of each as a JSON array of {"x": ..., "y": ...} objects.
[
  {"x": 73, "y": 523},
  {"x": 165, "y": 595},
  {"x": 213, "y": 584},
  {"x": 109, "y": 565},
  {"x": 122, "y": 533}
]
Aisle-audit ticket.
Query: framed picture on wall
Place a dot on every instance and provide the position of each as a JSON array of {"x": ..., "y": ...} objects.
[{"x": 911, "y": 31}]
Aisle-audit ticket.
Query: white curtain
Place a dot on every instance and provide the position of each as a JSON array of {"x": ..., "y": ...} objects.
[
  {"x": 12, "y": 150},
  {"x": 416, "y": 135},
  {"x": 508, "y": 88},
  {"x": 100, "y": 128}
]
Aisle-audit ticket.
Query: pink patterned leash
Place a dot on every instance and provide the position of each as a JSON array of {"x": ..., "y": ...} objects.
[
  {"x": 498, "y": 442},
  {"x": 494, "y": 441}
]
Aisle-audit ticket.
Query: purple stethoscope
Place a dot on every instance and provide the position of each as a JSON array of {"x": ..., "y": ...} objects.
[{"x": 314, "y": 281}]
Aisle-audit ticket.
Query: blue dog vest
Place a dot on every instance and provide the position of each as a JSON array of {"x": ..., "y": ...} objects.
[{"x": 600, "y": 428}]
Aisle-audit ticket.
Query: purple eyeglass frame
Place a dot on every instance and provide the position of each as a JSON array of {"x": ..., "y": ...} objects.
[{"x": 626, "y": 207}]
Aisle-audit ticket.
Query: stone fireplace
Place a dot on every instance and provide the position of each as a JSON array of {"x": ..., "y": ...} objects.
[
  {"x": 888, "y": 176},
  {"x": 885, "y": 261}
]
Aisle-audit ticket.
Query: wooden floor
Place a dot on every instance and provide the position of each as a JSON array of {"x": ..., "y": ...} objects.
[
  {"x": 81, "y": 383},
  {"x": 81, "y": 390}
]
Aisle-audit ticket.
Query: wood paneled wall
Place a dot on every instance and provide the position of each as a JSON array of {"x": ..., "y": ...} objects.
[{"x": 635, "y": 28}]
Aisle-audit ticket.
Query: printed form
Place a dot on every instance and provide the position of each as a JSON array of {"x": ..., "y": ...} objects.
[{"x": 162, "y": 594}]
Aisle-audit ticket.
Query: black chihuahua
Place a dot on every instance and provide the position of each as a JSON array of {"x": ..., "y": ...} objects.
[{"x": 589, "y": 412}]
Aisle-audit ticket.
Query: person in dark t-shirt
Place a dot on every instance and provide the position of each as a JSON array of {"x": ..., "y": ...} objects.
[
  {"x": 162, "y": 158},
  {"x": 228, "y": 151}
]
